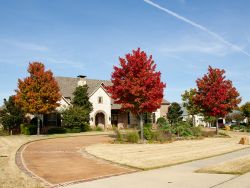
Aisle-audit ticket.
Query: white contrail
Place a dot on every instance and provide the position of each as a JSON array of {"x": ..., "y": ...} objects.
[{"x": 215, "y": 35}]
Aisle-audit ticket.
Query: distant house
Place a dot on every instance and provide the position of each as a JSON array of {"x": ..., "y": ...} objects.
[
  {"x": 198, "y": 119},
  {"x": 105, "y": 112}
]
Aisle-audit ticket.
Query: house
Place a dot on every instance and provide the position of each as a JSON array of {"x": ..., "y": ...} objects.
[
  {"x": 105, "y": 112},
  {"x": 198, "y": 120}
]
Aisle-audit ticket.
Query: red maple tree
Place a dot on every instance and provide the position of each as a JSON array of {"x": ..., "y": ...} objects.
[
  {"x": 39, "y": 93},
  {"x": 137, "y": 85},
  {"x": 216, "y": 95}
]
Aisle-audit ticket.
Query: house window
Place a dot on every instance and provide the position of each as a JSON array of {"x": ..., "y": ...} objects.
[
  {"x": 100, "y": 100},
  {"x": 147, "y": 117}
]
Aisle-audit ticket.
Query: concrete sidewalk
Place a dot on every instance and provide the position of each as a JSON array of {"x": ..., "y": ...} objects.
[{"x": 179, "y": 176}]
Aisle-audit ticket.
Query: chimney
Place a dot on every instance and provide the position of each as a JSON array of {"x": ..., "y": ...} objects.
[{"x": 81, "y": 81}]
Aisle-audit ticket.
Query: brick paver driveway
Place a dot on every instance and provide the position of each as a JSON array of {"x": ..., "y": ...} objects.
[{"x": 63, "y": 160}]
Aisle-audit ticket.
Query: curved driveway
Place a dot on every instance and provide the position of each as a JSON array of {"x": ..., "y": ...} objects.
[{"x": 63, "y": 160}]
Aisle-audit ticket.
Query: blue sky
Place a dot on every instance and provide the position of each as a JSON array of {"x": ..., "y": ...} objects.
[{"x": 87, "y": 37}]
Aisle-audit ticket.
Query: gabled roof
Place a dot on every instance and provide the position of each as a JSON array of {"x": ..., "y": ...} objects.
[
  {"x": 68, "y": 85},
  {"x": 164, "y": 101}
]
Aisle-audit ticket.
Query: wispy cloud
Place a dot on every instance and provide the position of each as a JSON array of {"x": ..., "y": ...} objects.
[
  {"x": 25, "y": 45},
  {"x": 194, "y": 45},
  {"x": 196, "y": 25}
]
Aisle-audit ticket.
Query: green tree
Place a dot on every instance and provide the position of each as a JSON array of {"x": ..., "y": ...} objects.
[
  {"x": 245, "y": 109},
  {"x": 81, "y": 98},
  {"x": 174, "y": 113},
  {"x": 78, "y": 115},
  {"x": 188, "y": 103},
  {"x": 11, "y": 116}
]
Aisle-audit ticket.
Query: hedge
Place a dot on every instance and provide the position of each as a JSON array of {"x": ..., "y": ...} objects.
[{"x": 28, "y": 129}]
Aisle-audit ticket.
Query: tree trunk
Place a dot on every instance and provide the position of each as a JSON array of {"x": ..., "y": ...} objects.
[
  {"x": 38, "y": 125},
  {"x": 217, "y": 126},
  {"x": 193, "y": 121},
  {"x": 141, "y": 126}
]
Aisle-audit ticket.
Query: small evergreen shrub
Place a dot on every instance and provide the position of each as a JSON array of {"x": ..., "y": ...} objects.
[
  {"x": 148, "y": 125},
  {"x": 28, "y": 129},
  {"x": 97, "y": 129},
  {"x": 166, "y": 127},
  {"x": 85, "y": 127},
  {"x": 184, "y": 129},
  {"x": 57, "y": 130},
  {"x": 147, "y": 133},
  {"x": 73, "y": 130},
  {"x": 161, "y": 121},
  {"x": 132, "y": 137}
]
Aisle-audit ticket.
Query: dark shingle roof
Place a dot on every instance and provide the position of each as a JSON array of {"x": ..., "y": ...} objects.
[
  {"x": 164, "y": 101},
  {"x": 67, "y": 86}
]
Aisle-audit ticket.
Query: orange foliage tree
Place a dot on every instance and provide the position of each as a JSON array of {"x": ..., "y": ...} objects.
[{"x": 38, "y": 93}]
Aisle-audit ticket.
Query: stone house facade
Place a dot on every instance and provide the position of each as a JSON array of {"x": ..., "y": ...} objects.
[{"x": 105, "y": 112}]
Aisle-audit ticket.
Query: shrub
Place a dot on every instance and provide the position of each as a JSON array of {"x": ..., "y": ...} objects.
[
  {"x": 73, "y": 130},
  {"x": 11, "y": 115},
  {"x": 97, "y": 128},
  {"x": 196, "y": 131},
  {"x": 184, "y": 129},
  {"x": 3, "y": 132},
  {"x": 148, "y": 125},
  {"x": 28, "y": 129},
  {"x": 159, "y": 136},
  {"x": 132, "y": 137},
  {"x": 85, "y": 127},
  {"x": 56, "y": 130},
  {"x": 119, "y": 136},
  {"x": 75, "y": 117},
  {"x": 147, "y": 133},
  {"x": 161, "y": 121},
  {"x": 166, "y": 127},
  {"x": 240, "y": 128}
]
